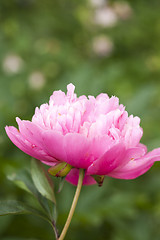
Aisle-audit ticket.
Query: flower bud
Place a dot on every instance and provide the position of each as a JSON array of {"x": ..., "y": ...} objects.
[{"x": 60, "y": 169}]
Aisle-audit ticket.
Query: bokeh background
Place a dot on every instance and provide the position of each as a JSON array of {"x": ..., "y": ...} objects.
[{"x": 100, "y": 46}]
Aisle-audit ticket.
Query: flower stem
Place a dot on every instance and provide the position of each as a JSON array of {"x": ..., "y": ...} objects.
[{"x": 74, "y": 203}]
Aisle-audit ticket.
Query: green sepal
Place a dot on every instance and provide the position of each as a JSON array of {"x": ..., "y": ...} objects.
[
  {"x": 60, "y": 169},
  {"x": 99, "y": 179}
]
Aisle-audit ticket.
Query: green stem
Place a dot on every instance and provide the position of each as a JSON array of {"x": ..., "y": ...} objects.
[
  {"x": 54, "y": 229},
  {"x": 74, "y": 203}
]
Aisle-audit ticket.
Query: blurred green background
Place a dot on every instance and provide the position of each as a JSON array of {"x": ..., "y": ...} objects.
[{"x": 100, "y": 46}]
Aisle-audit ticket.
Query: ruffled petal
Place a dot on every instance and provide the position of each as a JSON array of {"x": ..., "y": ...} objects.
[
  {"x": 57, "y": 98},
  {"x": 132, "y": 132}
]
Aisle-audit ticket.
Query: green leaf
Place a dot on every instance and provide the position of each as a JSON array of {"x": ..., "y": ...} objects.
[
  {"x": 13, "y": 207},
  {"x": 24, "y": 180},
  {"x": 42, "y": 181},
  {"x": 4, "y": 223},
  {"x": 61, "y": 184}
]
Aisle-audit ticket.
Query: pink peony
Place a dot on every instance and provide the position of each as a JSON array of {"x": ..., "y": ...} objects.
[{"x": 95, "y": 134}]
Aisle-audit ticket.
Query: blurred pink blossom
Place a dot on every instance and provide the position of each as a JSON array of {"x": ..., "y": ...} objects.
[
  {"x": 95, "y": 134},
  {"x": 102, "y": 46},
  {"x": 36, "y": 80},
  {"x": 123, "y": 10},
  {"x": 97, "y": 3},
  {"x": 12, "y": 64}
]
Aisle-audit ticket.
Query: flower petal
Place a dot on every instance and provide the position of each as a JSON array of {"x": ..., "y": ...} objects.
[
  {"x": 30, "y": 131},
  {"x": 132, "y": 132},
  {"x": 77, "y": 150},
  {"x": 73, "y": 176},
  {"x": 135, "y": 168},
  {"x": 53, "y": 143},
  {"x": 132, "y": 154},
  {"x": 109, "y": 161},
  {"x": 18, "y": 139}
]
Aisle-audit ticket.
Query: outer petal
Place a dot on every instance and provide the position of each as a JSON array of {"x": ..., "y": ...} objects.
[
  {"x": 142, "y": 146},
  {"x": 73, "y": 175},
  {"x": 77, "y": 150},
  {"x": 131, "y": 154},
  {"x": 53, "y": 142},
  {"x": 109, "y": 161},
  {"x": 27, "y": 147},
  {"x": 135, "y": 168},
  {"x": 100, "y": 145},
  {"x": 30, "y": 131}
]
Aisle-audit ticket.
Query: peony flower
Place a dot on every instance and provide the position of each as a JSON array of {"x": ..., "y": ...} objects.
[{"x": 95, "y": 134}]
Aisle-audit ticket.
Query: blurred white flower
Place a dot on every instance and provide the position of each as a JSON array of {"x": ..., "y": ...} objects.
[
  {"x": 103, "y": 46},
  {"x": 12, "y": 64},
  {"x": 36, "y": 80},
  {"x": 97, "y": 3},
  {"x": 123, "y": 10},
  {"x": 106, "y": 17}
]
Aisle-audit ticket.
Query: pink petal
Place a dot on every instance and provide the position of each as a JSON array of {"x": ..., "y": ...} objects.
[
  {"x": 27, "y": 147},
  {"x": 132, "y": 132},
  {"x": 30, "y": 131},
  {"x": 109, "y": 161},
  {"x": 77, "y": 150},
  {"x": 135, "y": 168},
  {"x": 73, "y": 175},
  {"x": 155, "y": 152},
  {"x": 58, "y": 98},
  {"x": 131, "y": 154},
  {"x": 100, "y": 145},
  {"x": 122, "y": 120},
  {"x": 70, "y": 92},
  {"x": 142, "y": 146},
  {"x": 53, "y": 143},
  {"x": 113, "y": 103}
]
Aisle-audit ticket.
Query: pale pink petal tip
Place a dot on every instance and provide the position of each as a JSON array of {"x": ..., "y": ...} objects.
[
  {"x": 70, "y": 87},
  {"x": 70, "y": 91},
  {"x": 18, "y": 120}
]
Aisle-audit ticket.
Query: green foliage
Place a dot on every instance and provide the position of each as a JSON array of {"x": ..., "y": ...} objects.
[
  {"x": 12, "y": 207},
  {"x": 41, "y": 187},
  {"x": 42, "y": 181},
  {"x": 23, "y": 180}
]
